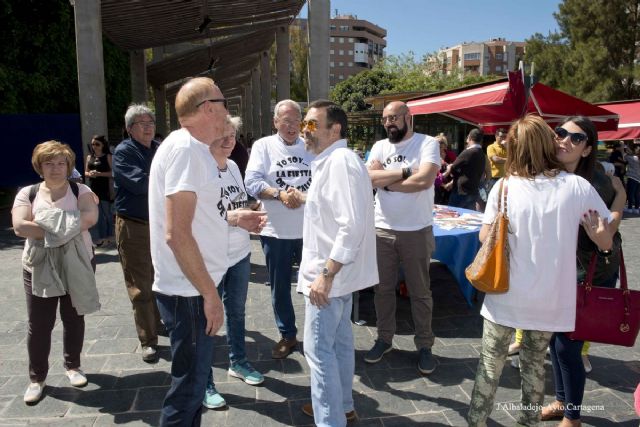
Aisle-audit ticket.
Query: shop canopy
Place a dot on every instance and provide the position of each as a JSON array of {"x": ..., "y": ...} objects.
[
  {"x": 629, "y": 125},
  {"x": 495, "y": 105}
]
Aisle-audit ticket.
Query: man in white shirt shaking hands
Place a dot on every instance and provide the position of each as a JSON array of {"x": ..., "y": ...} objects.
[{"x": 338, "y": 251}]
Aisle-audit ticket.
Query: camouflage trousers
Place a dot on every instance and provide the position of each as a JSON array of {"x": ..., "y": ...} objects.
[{"x": 495, "y": 344}]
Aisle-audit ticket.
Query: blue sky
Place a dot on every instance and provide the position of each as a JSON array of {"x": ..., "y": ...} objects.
[{"x": 424, "y": 26}]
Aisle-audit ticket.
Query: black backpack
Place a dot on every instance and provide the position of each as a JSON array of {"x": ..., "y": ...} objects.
[{"x": 33, "y": 190}]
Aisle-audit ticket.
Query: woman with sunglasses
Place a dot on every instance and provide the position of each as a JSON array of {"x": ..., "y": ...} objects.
[
  {"x": 576, "y": 142},
  {"x": 98, "y": 170},
  {"x": 235, "y": 283},
  {"x": 545, "y": 206}
]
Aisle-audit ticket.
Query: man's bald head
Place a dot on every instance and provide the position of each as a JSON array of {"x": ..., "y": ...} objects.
[
  {"x": 193, "y": 93},
  {"x": 397, "y": 107}
]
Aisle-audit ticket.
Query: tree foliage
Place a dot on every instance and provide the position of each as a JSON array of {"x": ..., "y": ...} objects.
[
  {"x": 397, "y": 74},
  {"x": 38, "y": 67},
  {"x": 594, "y": 55}
]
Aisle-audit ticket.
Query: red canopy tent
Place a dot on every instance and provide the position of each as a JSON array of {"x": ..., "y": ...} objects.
[
  {"x": 629, "y": 125},
  {"x": 495, "y": 105}
]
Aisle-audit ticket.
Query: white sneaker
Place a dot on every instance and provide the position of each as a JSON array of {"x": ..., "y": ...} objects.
[
  {"x": 34, "y": 392},
  {"x": 587, "y": 364},
  {"x": 77, "y": 378}
]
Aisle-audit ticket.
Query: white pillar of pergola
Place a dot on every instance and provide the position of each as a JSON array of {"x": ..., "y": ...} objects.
[
  {"x": 283, "y": 83},
  {"x": 318, "y": 58}
]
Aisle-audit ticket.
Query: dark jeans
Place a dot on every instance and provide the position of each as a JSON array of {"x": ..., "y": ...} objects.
[
  {"x": 42, "y": 318},
  {"x": 568, "y": 373},
  {"x": 633, "y": 194},
  {"x": 280, "y": 255},
  {"x": 464, "y": 201},
  {"x": 191, "y": 354}
]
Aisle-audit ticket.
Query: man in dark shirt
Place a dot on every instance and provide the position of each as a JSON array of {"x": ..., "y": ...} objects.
[
  {"x": 617, "y": 158},
  {"x": 131, "y": 167},
  {"x": 467, "y": 172}
]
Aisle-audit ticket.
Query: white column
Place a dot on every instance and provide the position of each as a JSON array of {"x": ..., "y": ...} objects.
[{"x": 318, "y": 26}]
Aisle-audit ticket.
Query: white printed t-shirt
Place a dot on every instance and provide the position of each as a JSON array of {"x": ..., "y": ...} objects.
[
  {"x": 182, "y": 163},
  {"x": 405, "y": 211},
  {"x": 338, "y": 223},
  {"x": 235, "y": 197},
  {"x": 544, "y": 216},
  {"x": 273, "y": 163}
]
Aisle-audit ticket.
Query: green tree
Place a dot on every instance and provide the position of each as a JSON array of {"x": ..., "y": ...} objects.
[
  {"x": 38, "y": 67},
  {"x": 350, "y": 93},
  {"x": 594, "y": 54}
]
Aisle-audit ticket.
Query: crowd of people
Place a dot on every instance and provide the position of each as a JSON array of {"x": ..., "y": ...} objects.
[{"x": 184, "y": 213}]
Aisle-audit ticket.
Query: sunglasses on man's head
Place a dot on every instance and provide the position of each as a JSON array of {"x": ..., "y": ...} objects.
[{"x": 575, "y": 138}]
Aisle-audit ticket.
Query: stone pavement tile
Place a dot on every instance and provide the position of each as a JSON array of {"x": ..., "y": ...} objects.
[
  {"x": 118, "y": 320},
  {"x": 498, "y": 418},
  {"x": 131, "y": 419},
  {"x": 13, "y": 366},
  {"x": 142, "y": 378},
  {"x": 87, "y": 421},
  {"x": 269, "y": 368},
  {"x": 51, "y": 405},
  {"x": 5, "y": 401},
  {"x": 133, "y": 361},
  {"x": 295, "y": 365},
  {"x": 436, "y": 399},
  {"x": 237, "y": 393},
  {"x": 280, "y": 390},
  {"x": 89, "y": 364},
  {"x": 12, "y": 338},
  {"x": 7, "y": 326},
  {"x": 450, "y": 374},
  {"x": 383, "y": 404},
  {"x": 362, "y": 384},
  {"x": 98, "y": 402},
  {"x": 149, "y": 398},
  {"x": 115, "y": 346},
  {"x": 96, "y": 381},
  {"x": 455, "y": 353},
  {"x": 13, "y": 351},
  {"x": 436, "y": 419},
  {"x": 100, "y": 333},
  {"x": 254, "y": 414},
  {"x": 396, "y": 379}
]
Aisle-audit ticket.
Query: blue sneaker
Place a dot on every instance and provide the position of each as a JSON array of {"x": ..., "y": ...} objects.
[
  {"x": 426, "y": 361},
  {"x": 212, "y": 398},
  {"x": 377, "y": 351},
  {"x": 246, "y": 372}
]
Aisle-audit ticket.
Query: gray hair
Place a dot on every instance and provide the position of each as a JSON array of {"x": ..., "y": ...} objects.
[
  {"x": 234, "y": 121},
  {"x": 290, "y": 102},
  {"x": 136, "y": 110}
]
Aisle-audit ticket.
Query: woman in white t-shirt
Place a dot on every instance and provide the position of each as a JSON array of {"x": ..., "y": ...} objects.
[
  {"x": 545, "y": 206},
  {"x": 235, "y": 283},
  {"x": 53, "y": 161}
]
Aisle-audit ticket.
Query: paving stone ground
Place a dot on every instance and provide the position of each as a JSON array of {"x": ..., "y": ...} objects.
[{"x": 124, "y": 390}]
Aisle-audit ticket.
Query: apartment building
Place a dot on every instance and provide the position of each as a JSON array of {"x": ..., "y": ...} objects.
[
  {"x": 495, "y": 56},
  {"x": 355, "y": 45}
]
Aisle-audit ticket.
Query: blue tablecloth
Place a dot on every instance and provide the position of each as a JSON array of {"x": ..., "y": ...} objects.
[{"x": 456, "y": 248}]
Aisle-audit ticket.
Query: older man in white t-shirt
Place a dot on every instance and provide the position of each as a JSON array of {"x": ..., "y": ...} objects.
[
  {"x": 339, "y": 244},
  {"x": 279, "y": 173},
  {"x": 403, "y": 169},
  {"x": 188, "y": 238}
]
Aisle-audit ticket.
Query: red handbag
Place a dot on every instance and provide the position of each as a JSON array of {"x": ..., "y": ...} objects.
[{"x": 606, "y": 315}]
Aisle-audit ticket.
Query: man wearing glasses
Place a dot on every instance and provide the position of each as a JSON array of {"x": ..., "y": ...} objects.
[
  {"x": 131, "y": 167},
  {"x": 403, "y": 169},
  {"x": 279, "y": 174},
  {"x": 189, "y": 244}
]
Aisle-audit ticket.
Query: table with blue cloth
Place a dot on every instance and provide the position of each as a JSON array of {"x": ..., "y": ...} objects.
[{"x": 456, "y": 248}]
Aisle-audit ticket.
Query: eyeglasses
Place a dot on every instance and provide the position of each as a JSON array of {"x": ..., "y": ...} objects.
[
  {"x": 392, "y": 118},
  {"x": 145, "y": 124},
  {"x": 290, "y": 123},
  {"x": 224, "y": 102},
  {"x": 576, "y": 138},
  {"x": 96, "y": 144},
  {"x": 312, "y": 125}
]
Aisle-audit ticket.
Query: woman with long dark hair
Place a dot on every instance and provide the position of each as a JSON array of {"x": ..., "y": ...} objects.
[
  {"x": 577, "y": 142},
  {"x": 98, "y": 170}
]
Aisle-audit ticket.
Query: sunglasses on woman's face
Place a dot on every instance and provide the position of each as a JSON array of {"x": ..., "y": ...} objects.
[{"x": 575, "y": 138}]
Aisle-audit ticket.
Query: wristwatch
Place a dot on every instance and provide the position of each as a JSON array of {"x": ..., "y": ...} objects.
[
  {"x": 277, "y": 195},
  {"x": 327, "y": 274}
]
